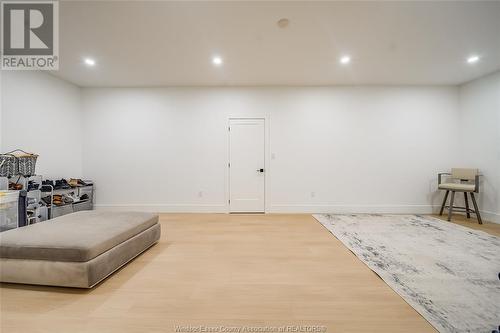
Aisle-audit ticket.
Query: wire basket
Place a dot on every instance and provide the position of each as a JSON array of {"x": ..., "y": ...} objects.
[
  {"x": 17, "y": 162},
  {"x": 26, "y": 162},
  {"x": 8, "y": 165}
]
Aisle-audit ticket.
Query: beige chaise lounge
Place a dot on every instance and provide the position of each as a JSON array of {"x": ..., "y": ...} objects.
[{"x": 76, "y": 250}]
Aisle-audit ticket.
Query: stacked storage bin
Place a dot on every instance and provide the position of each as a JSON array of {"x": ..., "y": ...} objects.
[{"x": 9, "y": 210}]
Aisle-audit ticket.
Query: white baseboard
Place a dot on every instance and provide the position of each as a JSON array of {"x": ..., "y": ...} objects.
[
  {"x": 490, "y": 216},
  {"x": 214, "y": 208},
  {"x": 164, "y": 208},
  {"x": 352, "y": 209},
  {"x": 376, "y": 209},
  {"x": 290, "y": 209}
]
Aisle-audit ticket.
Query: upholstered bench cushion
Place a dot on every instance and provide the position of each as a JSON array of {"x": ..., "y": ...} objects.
[
  {"x": 77, "y": 237},
  {"x": 461, "y": 187}
]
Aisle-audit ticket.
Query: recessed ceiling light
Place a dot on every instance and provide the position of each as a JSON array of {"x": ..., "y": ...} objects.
[
  {"x": 217, "y": 61},
  {"x": 345, "y": 60},
  {"x": 472, "y": 59},
  {"x": 89, "y": 61}
]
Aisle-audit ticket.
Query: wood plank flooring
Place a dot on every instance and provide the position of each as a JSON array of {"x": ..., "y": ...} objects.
[
  {"x": 216, "y": 270},
  {"x": 491, "y": 228}
]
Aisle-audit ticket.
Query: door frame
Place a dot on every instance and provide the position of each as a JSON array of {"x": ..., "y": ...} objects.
[{"x": 267, "y": 172}]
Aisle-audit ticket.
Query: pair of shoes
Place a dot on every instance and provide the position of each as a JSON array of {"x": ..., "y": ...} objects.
[
  {"x": 61, "y": 199},
  {"x": 46, "y": 200},
  {"x": 67, "y": 199},
  {"x": 57, "y": 199},
  {"x": 77, "y": 182},
  {"x": 84, "y": 197},
  {"x": 85, "y": 182},
  {"x": 72, "y": 196},
  {"x": 61, "y": 184},
  {"x": 74, "y": 182},
  {"x": 47, "y": 185},
  {"x": 45, "y": 188},
  {"x": 48, "y": 182},
  {"x": 65, "y": 184},
  {"x": 33, "y": 186},
  {"x": 15, "y": 186}
]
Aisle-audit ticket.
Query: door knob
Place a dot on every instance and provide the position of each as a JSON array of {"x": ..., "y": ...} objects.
[{"x": 260, "y": 170}]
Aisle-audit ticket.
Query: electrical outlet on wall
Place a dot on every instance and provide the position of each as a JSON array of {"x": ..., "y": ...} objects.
[
  {"x": 200, "y": 194},
  {"x": 313, "y": 194}
]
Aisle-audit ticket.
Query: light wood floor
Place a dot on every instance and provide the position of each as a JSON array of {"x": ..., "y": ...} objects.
[
  {"x": 218, "y": 269},
  {"x": 491, "y": 228}
]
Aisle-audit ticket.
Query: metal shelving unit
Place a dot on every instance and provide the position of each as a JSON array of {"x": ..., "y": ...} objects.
[
  {"x": 75, "y": 206},
  {"x": 36, "y": 212}
]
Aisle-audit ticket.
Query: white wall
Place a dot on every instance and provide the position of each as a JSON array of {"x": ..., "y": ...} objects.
[
  {"x": 373, "y": 149},
  {"x": 359, "y": 149},
  {"x": 41, "y": 114},
  {"x": 480, "y": 139}
]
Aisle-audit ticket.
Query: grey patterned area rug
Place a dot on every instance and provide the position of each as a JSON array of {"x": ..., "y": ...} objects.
[{"x": 448, "y": 273}]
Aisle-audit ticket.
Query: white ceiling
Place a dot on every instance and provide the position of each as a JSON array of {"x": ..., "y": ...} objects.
[{"x": 158, "y": 43}]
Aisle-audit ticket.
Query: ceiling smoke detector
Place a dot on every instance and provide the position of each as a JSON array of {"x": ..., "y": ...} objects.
[{"x": 283, "y": 23}]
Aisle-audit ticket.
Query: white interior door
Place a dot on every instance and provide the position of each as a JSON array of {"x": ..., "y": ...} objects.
[{"x": 247, "y": 165}]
